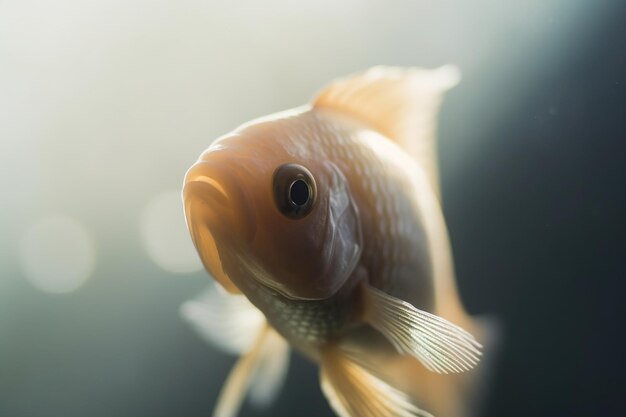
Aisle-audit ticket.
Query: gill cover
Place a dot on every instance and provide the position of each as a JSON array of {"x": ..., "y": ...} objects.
[
  {"x": 310, "y": 258},
  {"x": 345, "y": 241}
]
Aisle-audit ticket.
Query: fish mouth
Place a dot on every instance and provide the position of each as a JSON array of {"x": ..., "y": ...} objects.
[
  {"x": 217, "y": 192},
  {"x": 217, "y": 216},
  {"x": 222, "y": 224},
  {"x": 207, "y": 211}
]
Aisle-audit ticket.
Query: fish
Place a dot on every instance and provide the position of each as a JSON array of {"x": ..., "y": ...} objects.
[{"x": 323, "y": 229}]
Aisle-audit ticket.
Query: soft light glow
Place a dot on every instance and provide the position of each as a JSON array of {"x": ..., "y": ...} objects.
[
  {"x": 57, "y": 254},
  {"x": 165, "y": 236}
]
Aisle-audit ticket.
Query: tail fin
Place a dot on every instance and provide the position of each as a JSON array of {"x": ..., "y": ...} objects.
[{"x": 477, "y": 389}]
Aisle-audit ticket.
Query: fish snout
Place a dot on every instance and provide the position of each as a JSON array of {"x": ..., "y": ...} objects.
[
  {"x": 218, "y": 217},
  {"x": 215, "y": 200}
]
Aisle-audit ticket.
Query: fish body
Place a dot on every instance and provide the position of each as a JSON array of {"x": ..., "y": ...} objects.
[{"x": 327, "y": 219}]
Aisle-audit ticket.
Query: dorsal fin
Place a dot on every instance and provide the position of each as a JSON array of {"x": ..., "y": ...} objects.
[{"x": 401, "y": 103}]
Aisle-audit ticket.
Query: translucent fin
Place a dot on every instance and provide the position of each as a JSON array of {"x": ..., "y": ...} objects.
[
  {"x": 236, "y": 385},
  {"x": 228, "y": 321},
  {"x": 232, "y": 323},
  {"x": 440, "y": 345},
  {"x": 352, "y": 391},
  {"x": 401, "y": 103},
  {"x": 271, "y": 371}
]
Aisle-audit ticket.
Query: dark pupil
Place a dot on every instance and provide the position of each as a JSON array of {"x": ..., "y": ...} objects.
[{"x": 299, "y": 193}]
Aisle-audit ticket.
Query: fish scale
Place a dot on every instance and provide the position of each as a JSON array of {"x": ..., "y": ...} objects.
[
  {"x": 306, "y": 324},
  {"x": 391, "y": 230},
  {"x": 327, "y": 219}
]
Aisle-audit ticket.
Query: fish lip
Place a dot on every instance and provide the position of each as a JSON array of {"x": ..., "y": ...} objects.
[
  {"x": 204, "y": 203},
  {"x": 225, "y": 195},
  {"x": 213, "y": 192}
]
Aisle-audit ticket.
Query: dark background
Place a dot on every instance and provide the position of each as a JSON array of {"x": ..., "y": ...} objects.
[
  {"x": 533, "y": 168},
  {"x": 538, "y": 227}
]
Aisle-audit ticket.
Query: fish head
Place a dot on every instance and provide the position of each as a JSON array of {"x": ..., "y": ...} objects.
[{"x": 261, "y": 212}]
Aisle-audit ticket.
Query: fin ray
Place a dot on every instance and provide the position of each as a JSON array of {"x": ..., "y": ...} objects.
[
  {"x": 441, "y": 346},
  {"x": 352, "y": 391},
  {"x": 236, "y": 385},
  {"x": 271, "y": 372},
  {"x": 232, "y": 323},
  {"x": 260, "y": 371}
]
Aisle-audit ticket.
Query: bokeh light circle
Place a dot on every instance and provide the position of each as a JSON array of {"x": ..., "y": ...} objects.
[
  {"x": 57, "y": 254},
  {"x": 165, "y": 235}
]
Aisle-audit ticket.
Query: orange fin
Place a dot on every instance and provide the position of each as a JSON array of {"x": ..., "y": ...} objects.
[
  {"x": 271, "y": 372},
  {"x": 441, "y": 346},
  {"x": 353, "y": 391},
  {"x": 401, "y": 103},
  {"x": 248, "y": 372}
]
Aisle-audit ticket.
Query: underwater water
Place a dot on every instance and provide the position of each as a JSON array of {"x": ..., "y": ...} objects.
[{"x": 104, "y": 105}]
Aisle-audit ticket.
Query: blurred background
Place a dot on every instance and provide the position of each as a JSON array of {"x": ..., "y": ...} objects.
[{"x": 105, "y": 104}]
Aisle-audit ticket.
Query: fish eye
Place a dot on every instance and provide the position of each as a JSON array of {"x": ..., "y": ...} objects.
[{"x": 294, "y": 190}]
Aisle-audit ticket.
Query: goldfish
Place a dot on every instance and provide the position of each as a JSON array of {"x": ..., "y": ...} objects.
[{"x": 323, "y": 228}]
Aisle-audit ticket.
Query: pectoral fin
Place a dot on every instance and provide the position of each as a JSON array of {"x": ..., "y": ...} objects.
[
  {"x": 353, "y": 391},
  {"x": 440, "y": 345}
]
